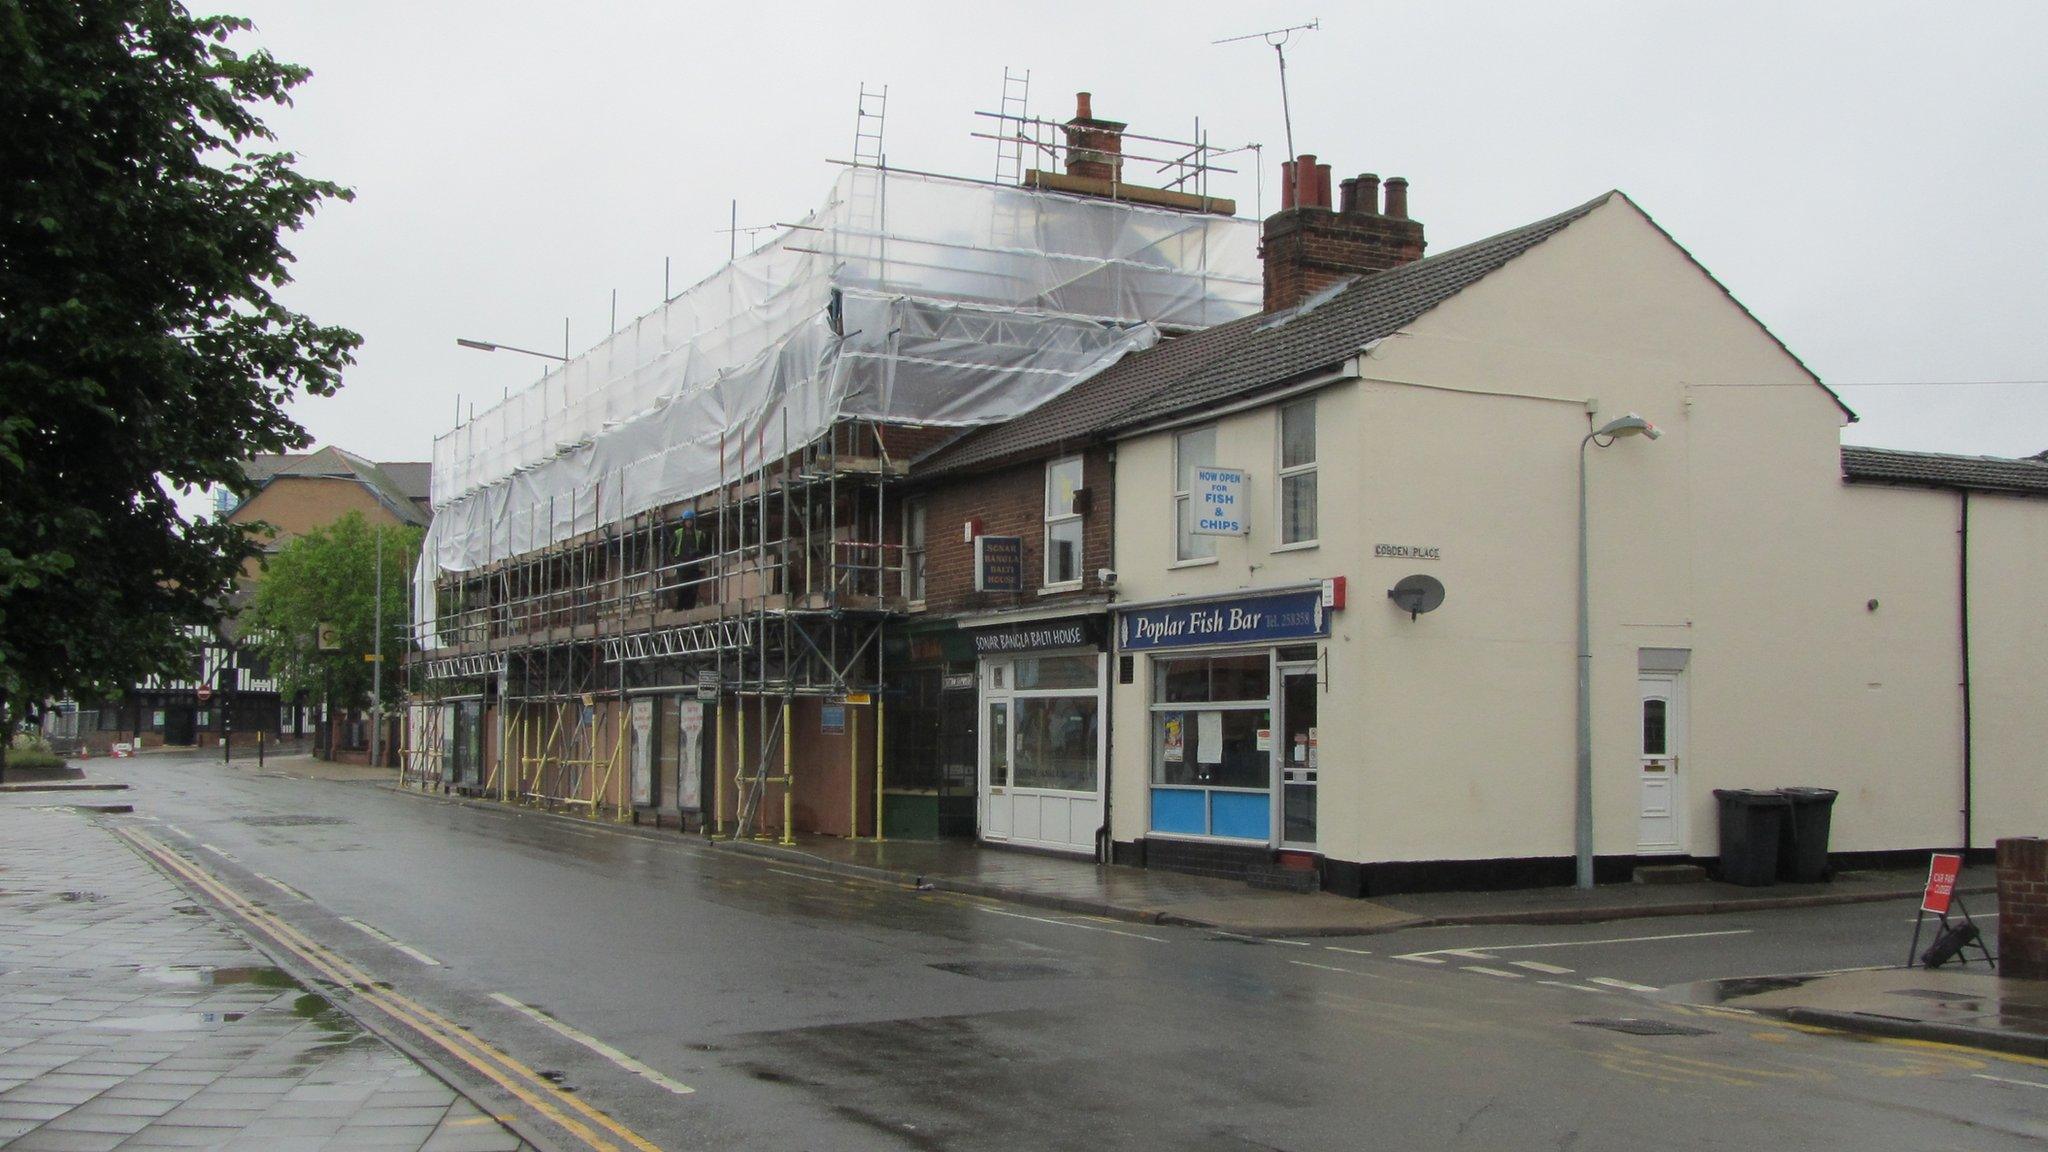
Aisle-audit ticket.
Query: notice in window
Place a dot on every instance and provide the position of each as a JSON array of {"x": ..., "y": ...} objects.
[
  {"x": 1209, "y": 738},
  {"x": 1175, "y": 738}
]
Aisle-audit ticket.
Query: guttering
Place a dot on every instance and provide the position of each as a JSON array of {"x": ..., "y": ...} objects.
[{"x": 1346, "y": 370}]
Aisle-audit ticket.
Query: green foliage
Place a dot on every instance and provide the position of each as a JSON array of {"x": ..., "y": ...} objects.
[
  {"x": 34, "y": 759},
  {"x": 330, "y": 576},
  {"x": 141, "y": 351}
]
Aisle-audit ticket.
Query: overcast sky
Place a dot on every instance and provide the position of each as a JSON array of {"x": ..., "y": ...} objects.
[{"x": 1869, "y": 178}]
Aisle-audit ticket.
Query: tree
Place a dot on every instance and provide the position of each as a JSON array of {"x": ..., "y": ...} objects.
[
  {"x": 329, "y": 576},
  {"x": 141, "y": 350}
]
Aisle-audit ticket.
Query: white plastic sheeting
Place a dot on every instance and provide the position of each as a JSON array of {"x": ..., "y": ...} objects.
[{"x": 908, "y": 299}]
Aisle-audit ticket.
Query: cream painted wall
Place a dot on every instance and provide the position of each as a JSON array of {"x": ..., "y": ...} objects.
[
  {"x": 1733, "y": 537},
  {"x": 2009, "y": 691}
]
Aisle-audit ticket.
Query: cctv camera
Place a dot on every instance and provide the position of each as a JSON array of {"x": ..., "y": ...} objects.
[{"x": 1106, "y": 577}]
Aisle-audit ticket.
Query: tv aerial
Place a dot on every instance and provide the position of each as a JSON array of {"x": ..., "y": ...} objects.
[
  {"x": 1278, "y": 38},
  {"x": 1417, "y": 594}
]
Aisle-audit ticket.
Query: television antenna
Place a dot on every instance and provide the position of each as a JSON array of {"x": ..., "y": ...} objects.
[{"x": 1278, "y": 38}]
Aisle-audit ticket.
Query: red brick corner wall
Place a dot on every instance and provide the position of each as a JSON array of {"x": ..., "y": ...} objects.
[{"x": 2023, "y": 908}]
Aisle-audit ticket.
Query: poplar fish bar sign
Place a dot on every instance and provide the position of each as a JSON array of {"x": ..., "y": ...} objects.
[
  {"x": 1245, "y": 619},
  {"x": 1219, "y": 502}
]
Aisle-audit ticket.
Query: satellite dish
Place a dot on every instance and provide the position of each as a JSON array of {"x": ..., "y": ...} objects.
[{"x": 1417, "y": 594}]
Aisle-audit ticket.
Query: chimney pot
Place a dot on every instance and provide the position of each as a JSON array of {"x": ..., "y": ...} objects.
[
  {"x": 1083, "y": 109},
  {"x": 1397, "y": 197},
  {"x": 1369, "y": 193},
  {"x": 1323, "y": 186},
  {"x": 1286, "y": 185},
  {"x": 1305, "y": 180},
  {"x": 1347, "y": 195}
]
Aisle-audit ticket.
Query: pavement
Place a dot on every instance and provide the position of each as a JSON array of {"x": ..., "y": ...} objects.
[
  {"x": 1971, "y": 1007},
  {"x": 130, "y": 1018}
]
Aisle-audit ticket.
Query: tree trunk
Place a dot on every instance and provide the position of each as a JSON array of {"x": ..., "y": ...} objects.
[{"x": 6, "y": 734}]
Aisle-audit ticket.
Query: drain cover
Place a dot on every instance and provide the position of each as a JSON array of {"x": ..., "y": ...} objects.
[
  {"x": 1637, "y": 1027},
  {"x": 1001, "y": 970}
]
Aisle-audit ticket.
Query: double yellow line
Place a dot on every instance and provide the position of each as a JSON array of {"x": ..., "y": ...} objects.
[{"x": 595, "y": 1129}]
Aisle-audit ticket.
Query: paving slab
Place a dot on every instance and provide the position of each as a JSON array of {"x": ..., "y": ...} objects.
[{"x": 127, "y": 1022}]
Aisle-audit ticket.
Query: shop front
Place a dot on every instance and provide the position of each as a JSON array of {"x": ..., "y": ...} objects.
[
  {"x": 1044, "y": 735},
  {"x": 1232, "y": 687}
]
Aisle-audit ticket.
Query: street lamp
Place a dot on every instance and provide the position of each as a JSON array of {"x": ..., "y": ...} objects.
[
  {"x": 1606, "y": 434},
  {"x": 487, "y": 346}
]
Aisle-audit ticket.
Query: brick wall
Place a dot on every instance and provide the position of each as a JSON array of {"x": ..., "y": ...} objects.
[
  {"x": 2023, "y": 908},
  {"x": 1010, "y": 502},
  {"x": 1308, "y": 249}
]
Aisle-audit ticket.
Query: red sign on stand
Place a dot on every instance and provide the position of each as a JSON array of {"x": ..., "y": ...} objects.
[{"x": 1941, "y": 883}]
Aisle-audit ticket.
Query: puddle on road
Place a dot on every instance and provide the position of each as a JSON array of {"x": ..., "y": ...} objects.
[{"x": 1723, "y": 991}]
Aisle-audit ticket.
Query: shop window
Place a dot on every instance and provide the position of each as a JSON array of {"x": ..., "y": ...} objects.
[
  {"x": 1056, "y": 742},
  {"x": 1191, "y": 450},
  {"x": 1062, "y": 523},
  {"x": 913, "y": 550},
  {"x": 1298, "y": 472},
  {"x": 1212, "y": 722},
  {"x": 1044, "y": 672}
]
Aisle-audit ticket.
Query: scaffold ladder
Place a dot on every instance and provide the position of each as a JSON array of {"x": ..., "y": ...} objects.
[
  {"x": 1014, "y": 108},
  {"x": 867, "y": 126}
]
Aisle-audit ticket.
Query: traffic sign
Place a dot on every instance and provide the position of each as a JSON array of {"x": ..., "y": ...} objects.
[
  {"x": 1941, "y": 883},
  {"x": 203, "y": 693}
]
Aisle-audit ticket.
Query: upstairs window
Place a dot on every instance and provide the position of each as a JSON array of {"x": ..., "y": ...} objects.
[
  {"x": 1191, "y": 450},
  {"x": 1062, "y": 523},
  {"x": 913, "y": 551},
  {"x": 1298, "y": 472}
]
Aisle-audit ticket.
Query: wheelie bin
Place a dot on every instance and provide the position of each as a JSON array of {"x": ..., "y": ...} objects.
[
  {"x": 1750, "y": 826},
  {"x": 1803, "y": 837}
]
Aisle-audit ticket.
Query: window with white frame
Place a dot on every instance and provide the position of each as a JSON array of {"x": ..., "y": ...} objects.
[
  {"x": 1062, "y": 523},
  {"x": 1298, "y": 472},
  {"x": 1191, "y": 450},
  {"x": 913, "y": 550}
]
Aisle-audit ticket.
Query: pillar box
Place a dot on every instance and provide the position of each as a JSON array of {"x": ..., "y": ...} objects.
[{"x": 2023, "y": 908}]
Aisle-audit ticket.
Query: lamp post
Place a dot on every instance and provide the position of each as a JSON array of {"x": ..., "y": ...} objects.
[{"x": 1606, "y": 434}]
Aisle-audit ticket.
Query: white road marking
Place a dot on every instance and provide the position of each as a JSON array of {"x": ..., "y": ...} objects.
[
  {"x": 595, "y": 1045},
  {"x": 805, "y": 876},
  {"x": 1480, "y": 952},
  {"x": 178, "y": 830},
  {"x": 1579, "y": 987},
  {"x": 1502, "y": 972},
  {"x": 1352, "y": 951},
  {"x": 1324, "y": 967},
  {"x": 2008, "y": 1080},
  {"x": 1539, "y": 966},
  {"x": 1071, "y": 924},
  {"x": 281, "y": 886},
  {"x": 1421, "y": 958},
  {"x": 222, "y": 853},
  {"x": 394, "y": 943},
  {"x": 1262, "y": 939},
  {"x": 1625, "y": 985}
]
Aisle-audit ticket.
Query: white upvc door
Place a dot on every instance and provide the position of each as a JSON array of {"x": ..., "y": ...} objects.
[
  {"x": 1660, "y": 780},
  {"x": 997, "y": 805}
]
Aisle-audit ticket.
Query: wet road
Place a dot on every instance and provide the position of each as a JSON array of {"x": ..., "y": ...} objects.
[{"x": 700, "y": 999}]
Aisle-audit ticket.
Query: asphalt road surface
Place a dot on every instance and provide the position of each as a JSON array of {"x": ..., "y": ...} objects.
[{"x": 693, "y": 998}]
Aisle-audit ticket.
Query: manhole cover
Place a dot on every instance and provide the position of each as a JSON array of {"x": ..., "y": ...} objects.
[
  {"x": 1635, "y": 1027},
  {"x": 1001, "y": 970},
  {"x": 288, "y": 821}
]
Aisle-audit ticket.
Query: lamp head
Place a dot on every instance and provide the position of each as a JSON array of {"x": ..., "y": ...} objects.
[
  {"x": 479, "y": 345},
  {"x": 1629, "y": 425}
]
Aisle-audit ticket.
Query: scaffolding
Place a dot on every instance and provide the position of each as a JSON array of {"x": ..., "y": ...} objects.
[{"x": 701, "y": 504}]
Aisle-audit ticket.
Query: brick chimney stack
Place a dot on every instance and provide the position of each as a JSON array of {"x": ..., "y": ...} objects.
[
  {"x": 1310, "y": 244},
  {"x": 1095, "y": 148}
]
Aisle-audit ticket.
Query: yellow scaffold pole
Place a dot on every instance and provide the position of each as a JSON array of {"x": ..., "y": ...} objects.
[
  {"x": 718, "y": 764},
  {"x": 853, "y": 773},
  {"x": 879, "y": 747},
  {"x": 788, "y": 773}
]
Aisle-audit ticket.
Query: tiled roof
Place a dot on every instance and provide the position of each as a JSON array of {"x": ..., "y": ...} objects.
[
  {"x": 1245, "y": 356},
  {"x": 402, "y": 487},
  {"x": 1938, "y": 470}
]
